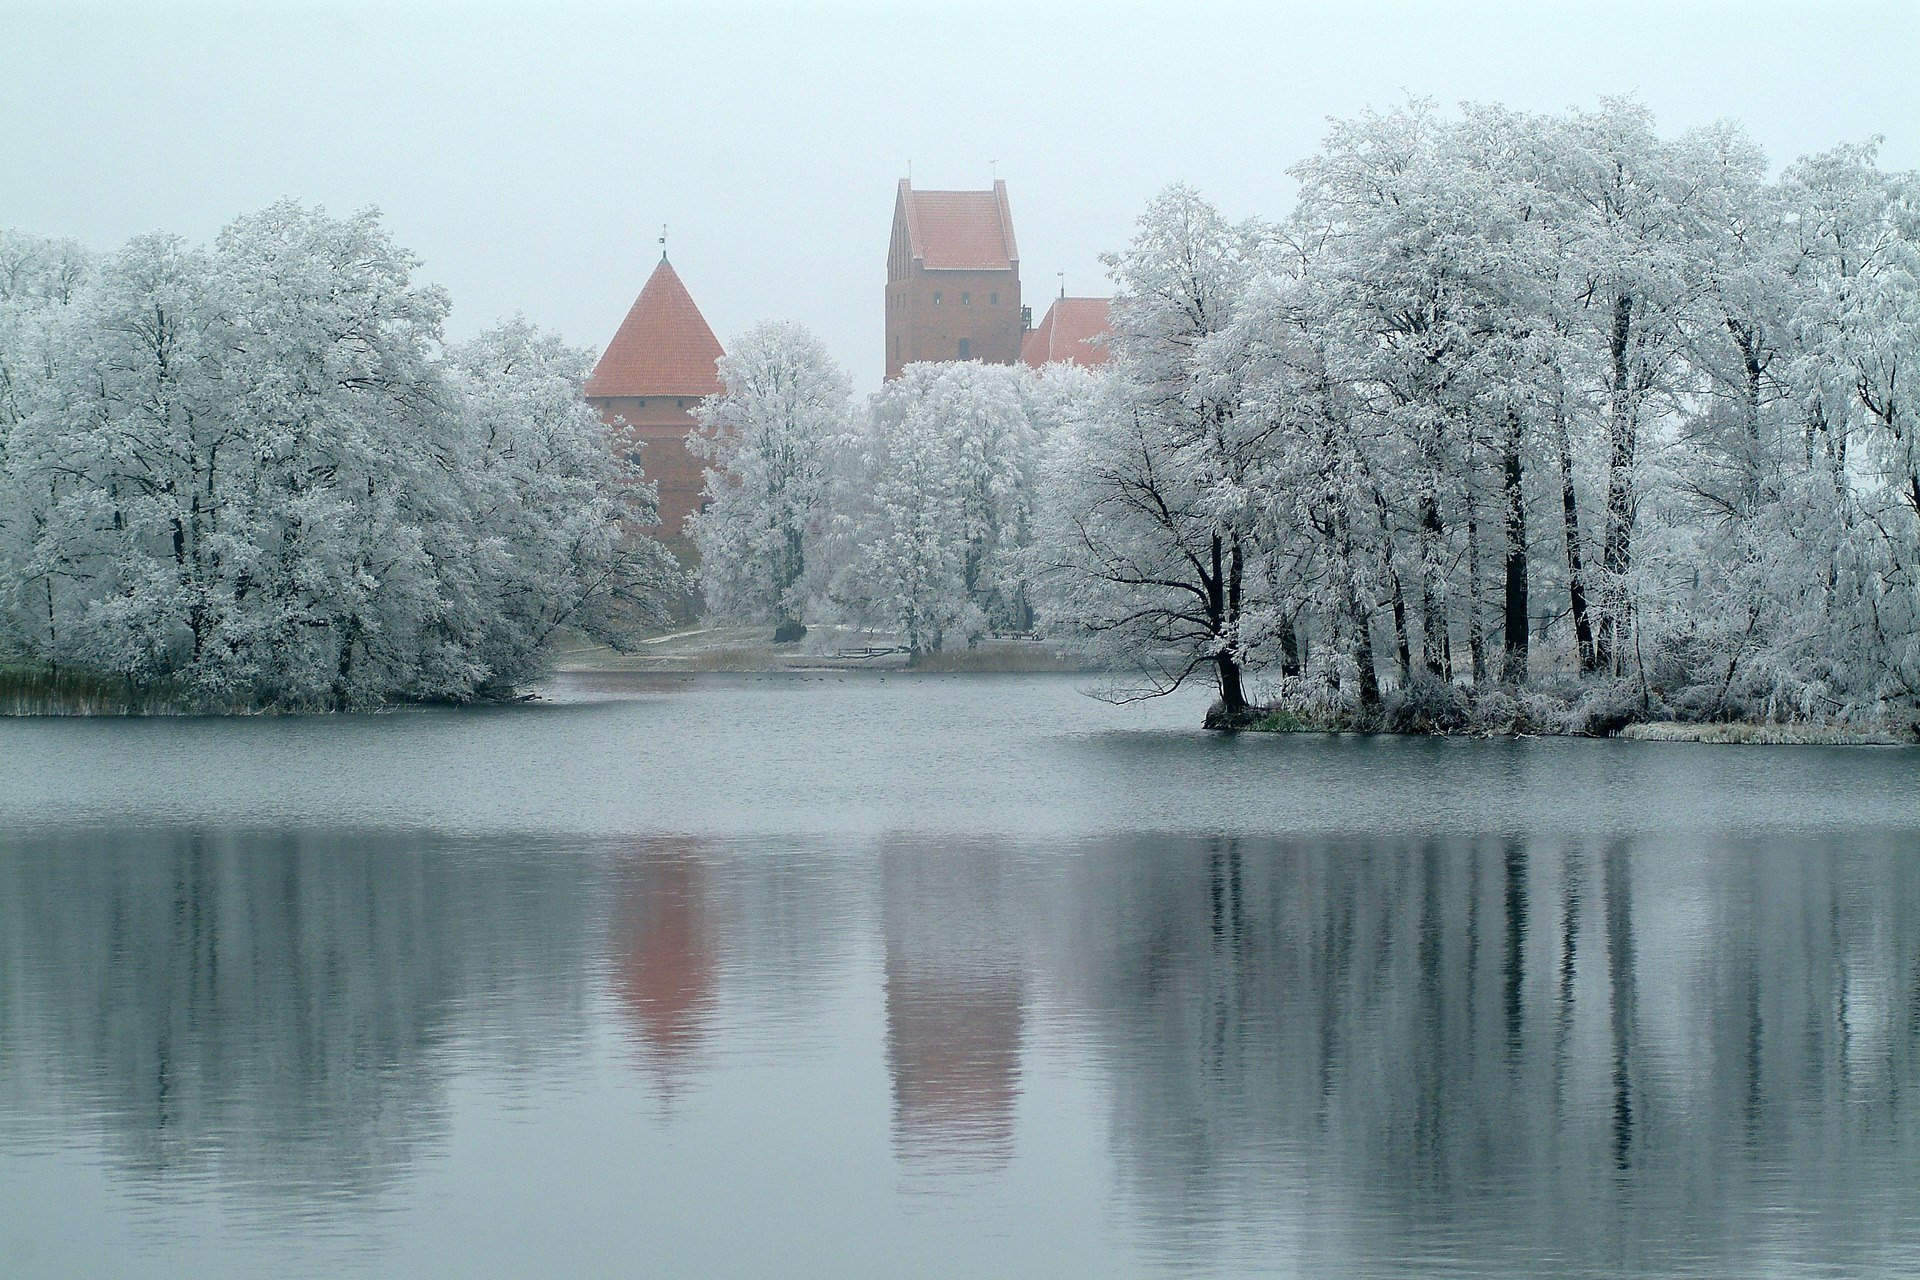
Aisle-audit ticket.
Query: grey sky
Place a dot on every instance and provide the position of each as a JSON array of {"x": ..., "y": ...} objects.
[{"x": 530, "y": 154}]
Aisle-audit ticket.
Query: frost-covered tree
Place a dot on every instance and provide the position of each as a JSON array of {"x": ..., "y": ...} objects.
[
  {"x": 1421, "y": 259},
  {"x": 1552, "y": 391},
  {"x": 560, "y": 510},
  {"x": 1155, "y": 496},
  {"x": 767, "y": 434},
  {"x": 936, "y": 501},
  {"x": 1854, "y": 429},
  {"x": 253, "y": 471}
]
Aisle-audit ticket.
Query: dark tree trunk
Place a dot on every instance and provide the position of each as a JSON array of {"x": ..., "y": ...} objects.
[
  {"x": 1514, "y": 513},
  {"x": 1403, "y": 648},
  {"x": 1362, "y": 628},
  {"x": 1363, "y": 660},
  {"x": 1290, "y": 663},
  {"x": 1223, "y": 598},
  {"x": 1433, "y": 610},
  {"x": 1754, "y": 368},
  {"x": 343, "y": 686},
  {"x": 1576, "y": 569},
  {"x": 1476, "y": 592},
  {"x": 1233, "y": 695}
]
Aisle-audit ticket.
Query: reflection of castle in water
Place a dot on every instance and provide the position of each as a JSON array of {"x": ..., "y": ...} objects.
[
  {"x": 956, "y": 996},
  {"x": 1582, "y": 1051},
  {"x": 668, "y": 965}
]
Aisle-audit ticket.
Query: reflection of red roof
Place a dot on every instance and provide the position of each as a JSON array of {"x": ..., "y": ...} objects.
[
  {"x": 959, "y": 230},
  {"x": 663, "y": 348},
  {"x": 1067, "y": 334},
  {"x": 953, "y": 1045},
  {"x": 668, "y": 968}
]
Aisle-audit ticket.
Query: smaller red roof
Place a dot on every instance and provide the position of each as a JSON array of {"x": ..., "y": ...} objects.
[
  {"x": 663, "y": 347},
  {"x": 1073, "y": 332}
]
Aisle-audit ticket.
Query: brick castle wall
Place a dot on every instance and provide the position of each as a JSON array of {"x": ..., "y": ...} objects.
[
  {"x": 661, "y": 424},
  {"x": 930, "y": 313}
]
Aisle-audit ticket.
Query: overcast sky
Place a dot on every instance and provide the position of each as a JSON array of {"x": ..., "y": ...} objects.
[{"x": 529, "y": 154}]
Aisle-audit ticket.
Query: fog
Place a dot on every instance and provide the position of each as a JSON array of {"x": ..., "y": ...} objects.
[{"x": 531, "y": 156}]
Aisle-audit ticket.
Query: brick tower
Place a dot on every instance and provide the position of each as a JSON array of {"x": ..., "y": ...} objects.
[
  {"x": 953, "y": 278},
  {"x": 652, "y": 375}
]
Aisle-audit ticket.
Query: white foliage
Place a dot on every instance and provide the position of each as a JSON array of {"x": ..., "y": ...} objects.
[
  {"x": 252, "y": 470},
  {"x": 767, "y": 433},
  {"x": 936, "y": 502},
  {"x": 1510, "y": 396}
]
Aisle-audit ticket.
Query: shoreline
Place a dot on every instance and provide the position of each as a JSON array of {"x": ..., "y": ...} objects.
[
  {"x": 750, "y": 651},
  {"x": 1705, "y": 733},
  {"x": 708, "y": 651}
]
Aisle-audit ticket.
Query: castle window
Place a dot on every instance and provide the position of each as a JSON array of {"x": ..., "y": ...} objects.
[
  {"x": 639, "y": 404},
  {"x": 993, "y": 299},
  {"x": 966, "y": 299},
  {"x": 966, "y": 347},
  {"x": 936, "y": 298}
]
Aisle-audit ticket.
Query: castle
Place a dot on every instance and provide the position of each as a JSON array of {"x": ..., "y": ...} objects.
[
  {"x": 952, "y": 293},
  {"x": 648, "y": 382},
  {"x": 953, "y": 288}
]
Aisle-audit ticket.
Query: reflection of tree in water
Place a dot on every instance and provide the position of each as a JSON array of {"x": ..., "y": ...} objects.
[
  {"x": 955, "y": 1001},
  {"x": 275, "y": 1009},
  {"x": 1612, "y": 1057}
]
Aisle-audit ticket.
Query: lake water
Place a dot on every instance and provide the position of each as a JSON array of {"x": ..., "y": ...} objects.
[{"x": 861, "y": 976}]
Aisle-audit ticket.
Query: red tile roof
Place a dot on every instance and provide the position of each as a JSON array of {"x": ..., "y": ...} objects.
[
  {"x": 1068, "y": 334},
  {"x": 663, "y": 348},
  {"x": 959, "y": 230}
]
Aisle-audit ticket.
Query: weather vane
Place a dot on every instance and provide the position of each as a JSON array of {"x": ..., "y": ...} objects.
[{"x": 663, "y": 242}]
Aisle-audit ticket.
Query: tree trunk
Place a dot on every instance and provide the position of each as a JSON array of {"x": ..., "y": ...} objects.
[
  {"x": 1233, "y": 696},
  {"x": 1290, "y": 663},
  {"x": 342, "y": 687},
  {"x": 1576, "y": 569},
  {"x": 1402, "y": 646},
  {"x": 1616, "y": 548},
  {"x": 1362, "y": 650},
  {"x": 1754, "y": 369},
  {"x": 1476, "y": 634},
  {"x": 1514, "y": 512},
  {"x": 1433, "y": 594},
  {"x": 1363, "y": 659}
]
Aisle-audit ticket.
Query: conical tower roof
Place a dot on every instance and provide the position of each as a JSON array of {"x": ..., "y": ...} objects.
[{"x": 663, "y": 348}]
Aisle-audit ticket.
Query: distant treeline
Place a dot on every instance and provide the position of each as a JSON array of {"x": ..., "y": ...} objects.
[
  {"x": 1516, "y": 421},
  {"x": 256, "y": 476}
]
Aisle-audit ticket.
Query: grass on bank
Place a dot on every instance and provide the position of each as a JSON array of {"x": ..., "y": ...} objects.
[
  {"x": 1560, "y": 707},
  {"x": 40, "y": 690}
]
